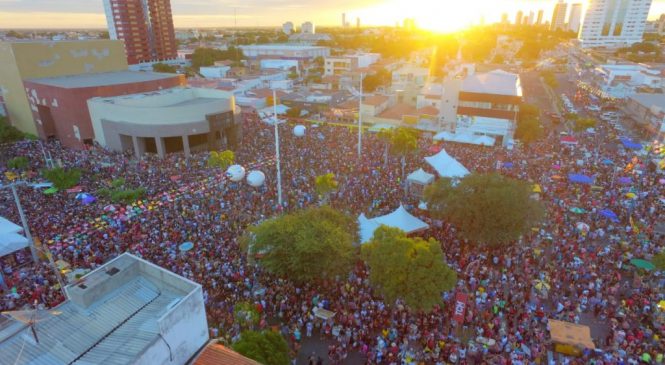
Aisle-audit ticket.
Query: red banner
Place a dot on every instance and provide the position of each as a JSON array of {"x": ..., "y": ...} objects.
[{"x": 460, "y": 308}]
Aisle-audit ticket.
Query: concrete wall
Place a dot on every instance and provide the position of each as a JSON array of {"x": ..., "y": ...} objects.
[{"x": 27, "y": 60}]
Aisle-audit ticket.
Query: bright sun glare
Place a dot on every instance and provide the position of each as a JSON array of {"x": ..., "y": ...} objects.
[{"x": 435, "y": 15}]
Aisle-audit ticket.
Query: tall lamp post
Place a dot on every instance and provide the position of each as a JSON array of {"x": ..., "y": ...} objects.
[
  {"x": 360, "y": 117},
  {"x": 279, "y": 170}
]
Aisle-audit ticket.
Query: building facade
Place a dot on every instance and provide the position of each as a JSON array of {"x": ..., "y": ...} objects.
[
  {"x": 288, "y": 28},
  {"x": 167, "y": 121},
  {"x": 59, "y": 104},
  {"x": 307, "y": 28},
  {"x": 647, "y": 111},
  {"x": 285, "y": 51},
  {"x": 559, "y": 16},
  {"x": 614, "y": 23},
  {"x": 575, "y": 18},
  {"x": 146, "y": 27},
  {"x": 539, "y": 18},
  {"x": 28, "y": 60}
]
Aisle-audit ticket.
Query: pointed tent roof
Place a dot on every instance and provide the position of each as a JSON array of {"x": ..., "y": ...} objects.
[
  {"x": 420, "y": 176},
  {"x": 400, "y": 218},
  {"x": 6, "y": 226},
  {"x": 446, "y": 166}
]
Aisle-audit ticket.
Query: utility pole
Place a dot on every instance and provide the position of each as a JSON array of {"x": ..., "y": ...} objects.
[
  {"x": 360, "y": 118},
  {"x": 279, "y": 171}
]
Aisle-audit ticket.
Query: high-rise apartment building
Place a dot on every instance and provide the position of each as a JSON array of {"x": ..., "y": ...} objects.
[
  {"x": 146, "y": 27},
  {"x": 307, "y": 28},
  {"x": 288, "y": 28},
  {"x": 518, "y": 17},
  {"x": 612, "y": 23},
  {"x": 539, "y": 19},
  {"x": 575, "y": 18},
  {"x": 504, "y": 18},
  {"x": 531, "y": 18},
  {"x": 559, "y": 16}
]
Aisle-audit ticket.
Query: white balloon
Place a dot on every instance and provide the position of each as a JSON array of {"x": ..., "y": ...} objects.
[
  {"x": 256, "y": 178},
  {"x": 235, "y": 172},
  {"x": 299, "y": 130}
]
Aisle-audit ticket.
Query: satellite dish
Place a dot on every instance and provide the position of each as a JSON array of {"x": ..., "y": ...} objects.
[
  {"x": 235, "y": 173},
  {"x": 299, "y": 131},
  {"x": 256, "y": 178}
]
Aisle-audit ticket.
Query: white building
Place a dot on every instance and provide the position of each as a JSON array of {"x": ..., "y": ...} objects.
[
  {"x": 278, "y": 64},
  {"x": 339, "y": 65},
  {"x": 648, "y": 112},
  {"x": 285, "y": 51},
  {"x": 575, "y": 18},
  {"x": 288, "y": 28},
  {"x": 308, "y": 28},
  {"x": 214, "y": 72},
  {"x": 622, "y": 80},
  {"x": 128, "y": 311},
  {"x": 559, "y": 16},
  {"x": 614, "y": 23}
]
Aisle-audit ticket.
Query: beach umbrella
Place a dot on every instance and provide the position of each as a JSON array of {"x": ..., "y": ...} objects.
[
  {"x": 624, "y": 180},
  {"x": 609, "y": 215},
  {"x": 580, "y": 179},
  {"x": 51, "y": 191},
  {"x": 540, "y": 285},
  {"x": 661, "y": 305},
  {"x": 508, "y": 165},
  {"x": 607, "y": 162},
  {"x": 577, "y": 210},
  {"x": 661, "y": 181},
  {"x": 88, "y": 200},
  {"x": 642, "y": 264},
  {"x": 583, "y": 227},
  {"x": 186, "y": 246},
  {"x": 109, "y": 208},
  {"x": 631, "y": 195}
]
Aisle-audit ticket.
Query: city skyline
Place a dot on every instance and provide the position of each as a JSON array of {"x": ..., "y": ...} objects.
[{"x": 429, "y": 14}]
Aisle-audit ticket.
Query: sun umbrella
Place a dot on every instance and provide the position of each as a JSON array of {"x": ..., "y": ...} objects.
[
  {"x": 661, "y": 305},
  {"x": 607, "y": 161},
  {"x": 631, "y": 195},
  {"x": 88, "y": 200},
  {"x": 51, "y": 191},
  {"x": 508, "y": 165},
  {"x": 642, "y": 264},
  {"x": 186, "y": 246},
  {"x": 577, "y": 210},
  {"x": 609, "y": 215},
  {"x": 580, "y": 179},
  {"x": 582, "y": 226},
  {"x": 109, "y": 208},
  {"x": 624, "y": 180},
  {"x": 539, "y": 285}
]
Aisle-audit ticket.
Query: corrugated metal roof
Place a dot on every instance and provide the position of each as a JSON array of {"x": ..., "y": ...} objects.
[
  {"x": 67, "y": 336},
  {"x": 216, "y": 354}
]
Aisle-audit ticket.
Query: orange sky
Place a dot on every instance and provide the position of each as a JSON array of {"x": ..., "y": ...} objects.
[{"x": 445, "y": 15}]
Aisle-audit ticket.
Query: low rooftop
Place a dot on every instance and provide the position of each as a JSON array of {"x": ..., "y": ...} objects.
[
  {"x": 113, "y": 314},
  {"x": 102, "y": 79},
  {"x": 650, "y": 100},
  {"x": 497, "y": 82}
]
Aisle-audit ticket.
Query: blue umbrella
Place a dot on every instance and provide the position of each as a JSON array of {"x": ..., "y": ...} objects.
[
  {"x": 624, "y": 180},
  {"x": 607, "y": 161},
  {"x": 628, "y": 143},
  {"x": 609, "y": 215},
  {"x": 580, "y": 179},
  {"x": 89, "y": 199},
  {"x": 186, "y": 246},
  {"x": 508, "y": 165}
]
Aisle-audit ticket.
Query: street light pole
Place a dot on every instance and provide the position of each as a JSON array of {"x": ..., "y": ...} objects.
[
  {"x": 279, "y": 170},
  {"x": 360, "y": 117}
]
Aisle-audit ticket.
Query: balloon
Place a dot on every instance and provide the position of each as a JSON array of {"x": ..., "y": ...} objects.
[
  {"x": 235, "y": 173},
  {"x": 256, "y": 178},
  {"x": 299, "y": 131}
]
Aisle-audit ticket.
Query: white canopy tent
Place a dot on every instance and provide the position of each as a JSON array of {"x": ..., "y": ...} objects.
[
  {"x": 480, "y": 140},
  {"x": 420, "y": 176},
  {"x": 446, "y": 166},
  {"x": 400, "y": 218}
]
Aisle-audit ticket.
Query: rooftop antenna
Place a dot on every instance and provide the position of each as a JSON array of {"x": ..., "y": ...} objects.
[{"x": 32, "y": 317}]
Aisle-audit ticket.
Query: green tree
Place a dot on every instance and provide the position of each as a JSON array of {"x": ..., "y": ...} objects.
[
  {"x": 293, "y": 73},
  {"x": 659, "y": 261},
  {"x": 208, "y": 56},
  {"x": 61, "y": 178},
  {"x": 582, "y": 124},
  {"x": 403, "y": 142},
  {"x": 246, "y": 315},
  {"x": 311, "y": 244},
  {"x": 9, "y": 133},
  {"x": 528, "y": 130},
  {"x": 385, "y": 135},
  {"x": 487, "y": 209},
  {"x": 163, "y": 67},
  {"x": 266, "y": 347},
  {"x": 411, "y": 269},
  {"x": 372, "y": 82},
  {"x": 325, "y": 184},
  {"x": 18, "y": 163},
  {"x": 550, "y": 79},
  {"x": 118, "y": 192},
  {"x": 221, "y": 159}
]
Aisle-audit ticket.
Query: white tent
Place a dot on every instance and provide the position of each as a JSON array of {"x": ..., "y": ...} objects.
[
  {"x": 400, "y": 218},
  {"x": 8, "y": 227},
  {"x": 420, "y": 176},
  {"x": 446, "y": 166},
  {"x": 481, "y": 140},
  {"x": 11, "y": 242}
]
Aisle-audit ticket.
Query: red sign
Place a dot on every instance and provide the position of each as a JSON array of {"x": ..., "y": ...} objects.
[{"x": 460, "y": 307}]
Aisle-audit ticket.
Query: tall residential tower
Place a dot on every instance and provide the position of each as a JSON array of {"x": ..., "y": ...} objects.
[
  {"x": 613, "y": 23},
  {"x": 559, "y": 16},
  {"x": 146, "y": 27},
  {"x": 575, "y": 18}
]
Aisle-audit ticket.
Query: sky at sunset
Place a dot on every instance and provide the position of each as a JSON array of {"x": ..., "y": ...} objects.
[{"x": 443, "y": 15}]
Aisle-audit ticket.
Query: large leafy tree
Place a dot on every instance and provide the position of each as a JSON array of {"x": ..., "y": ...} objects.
[
  {"x": 486, "y": 208},
  {"x": 266, "y": 347},
  {"x": 528, "y": 130},
  {"x": 325, "y": 184},
  {"x": 411, "y": 269},
  {"x": 61, "y": 178},
  {"x": 8, "y": 133},
  {"x": 307, "y": 245}
]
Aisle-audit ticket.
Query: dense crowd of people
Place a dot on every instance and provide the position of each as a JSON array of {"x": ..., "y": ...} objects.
[{"x": 574, "y": 267}]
